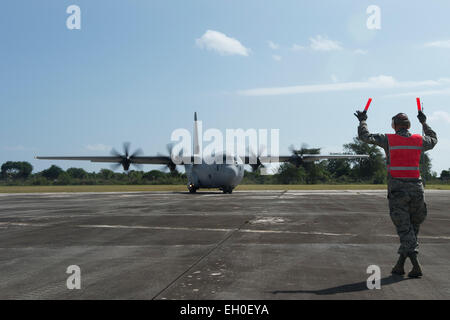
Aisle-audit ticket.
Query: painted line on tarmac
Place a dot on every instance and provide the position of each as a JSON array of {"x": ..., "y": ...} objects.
[
  {"x": 316, "y": 233},
  {"x": 300, "y": 232},
  {"x": 23, "y": 224},
  {"x": 105, "y": 226},
  {"x": 152, "y": 228},
  {"x": 216, "y": 229}
]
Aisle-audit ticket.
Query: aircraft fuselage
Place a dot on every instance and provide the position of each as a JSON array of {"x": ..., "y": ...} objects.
[{"x": 225, "y": 176}]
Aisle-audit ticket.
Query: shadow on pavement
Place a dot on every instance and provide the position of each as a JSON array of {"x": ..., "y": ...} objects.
[
  {"x": 198, "y": 192},
  {"x": 353, "y": 287}
]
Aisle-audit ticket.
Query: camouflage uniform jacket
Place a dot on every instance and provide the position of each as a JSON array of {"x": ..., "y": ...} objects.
[{"x": 381, "y": 140}]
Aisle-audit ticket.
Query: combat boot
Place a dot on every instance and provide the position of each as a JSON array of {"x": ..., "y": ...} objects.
[
  {"x": 399, "y": 268},
  {"x": 416, "y": 271}
]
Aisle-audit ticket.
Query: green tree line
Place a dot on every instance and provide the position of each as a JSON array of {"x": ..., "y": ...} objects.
[{"x": 371, "y": 170}]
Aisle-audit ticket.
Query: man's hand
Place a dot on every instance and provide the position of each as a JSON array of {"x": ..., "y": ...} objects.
[
  {"x": 422, "y": 117},
  {"x": 361, "y": 115}
]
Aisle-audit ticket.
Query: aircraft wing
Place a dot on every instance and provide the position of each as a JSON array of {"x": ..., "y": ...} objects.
[
  {"x": 318, "y": 157},
  {"x": 301, "y": 158},
  {"x": 166, "y": 160},
  {"x": 136, "y": 159}
]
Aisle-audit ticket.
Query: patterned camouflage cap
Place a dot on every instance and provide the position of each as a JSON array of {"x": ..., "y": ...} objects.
[{"x": 401, "y": 120}]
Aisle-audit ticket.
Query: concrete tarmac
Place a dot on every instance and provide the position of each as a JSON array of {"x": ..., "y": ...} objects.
[{"x": 247, "y": 245}]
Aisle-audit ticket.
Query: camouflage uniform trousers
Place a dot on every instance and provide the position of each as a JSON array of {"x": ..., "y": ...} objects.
[{"x": 407, "y": 210}]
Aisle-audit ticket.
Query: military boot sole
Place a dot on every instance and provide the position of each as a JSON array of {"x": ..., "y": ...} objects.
[
  {"x": 398, "y": 272},
  {"x": 415, "y": 274}
]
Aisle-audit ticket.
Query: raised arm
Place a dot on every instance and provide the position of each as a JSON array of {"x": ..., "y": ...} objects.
[
  {"x": 364, "y": 134},
  {"x": 429, "y": 136}
]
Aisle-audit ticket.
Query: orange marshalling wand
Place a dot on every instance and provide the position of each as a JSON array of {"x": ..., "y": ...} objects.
[
  {"x": 419, "y": 107},
  {"x": 368, "y": 104}
]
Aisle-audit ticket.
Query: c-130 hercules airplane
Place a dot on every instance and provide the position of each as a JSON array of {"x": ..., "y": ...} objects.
[{"x": 225, "y": 175}]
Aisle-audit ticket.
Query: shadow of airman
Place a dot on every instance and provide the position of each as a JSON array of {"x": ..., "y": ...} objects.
[{"x": 353, "y": 287}]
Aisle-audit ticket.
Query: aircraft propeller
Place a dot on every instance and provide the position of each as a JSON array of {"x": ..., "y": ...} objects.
[
  {"x": 171, "y": 165},
  {"x": 126, "y": 157},
  {"x": 297, "y": 154},
  {"x": 257, "y": 156}
]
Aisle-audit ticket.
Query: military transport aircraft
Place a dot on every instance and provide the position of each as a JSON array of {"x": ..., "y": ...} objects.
[{"x": 206, "y": 174}]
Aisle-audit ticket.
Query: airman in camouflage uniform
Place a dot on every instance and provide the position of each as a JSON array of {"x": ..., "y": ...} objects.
[{"x": 406, "y": 195}]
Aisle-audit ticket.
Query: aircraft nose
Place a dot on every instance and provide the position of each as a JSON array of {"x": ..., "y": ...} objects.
[{"x": 231, "y": 171}]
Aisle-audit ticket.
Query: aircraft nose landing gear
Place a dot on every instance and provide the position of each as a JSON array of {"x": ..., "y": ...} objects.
[{"x": 227, "y": 190}]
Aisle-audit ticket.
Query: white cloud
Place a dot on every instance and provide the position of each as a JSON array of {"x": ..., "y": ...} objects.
[
  {"x": 444, "y": 91},
  {"x": 297, "y": 47},
  {"x": 221, "y": 43},
  {"x": 440, "y": 115},
  {"x": 321, "y": 43},
  {"x": 379, "y": 82},
  {"x": 360, "y": 51},
  {"x": 273, "y": 45},
  {"x": 334, "y": 78},
  {"x": 440, "y": 91},
  {"x": 98, "y": 147},
  {"x": 276, "y": 58},
  {"x": 438, "y": 44},
  {"x": 383, "y": 81},
  {"x": 17, "y": 148}
]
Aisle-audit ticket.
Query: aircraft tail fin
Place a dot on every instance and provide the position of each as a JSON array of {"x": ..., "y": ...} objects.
[{"x": 196, "y": 137}]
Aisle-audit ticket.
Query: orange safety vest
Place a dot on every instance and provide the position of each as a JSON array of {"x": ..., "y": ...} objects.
[{"x": 404, "y": 155}]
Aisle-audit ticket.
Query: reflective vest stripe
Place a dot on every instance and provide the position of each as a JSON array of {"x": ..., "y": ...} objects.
[
  {"x": 403, "y": 168},
  {"x": 406, "y": 147}
]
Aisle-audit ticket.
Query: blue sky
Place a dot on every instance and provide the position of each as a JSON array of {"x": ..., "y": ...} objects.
[{"x": 137, "y": 70}]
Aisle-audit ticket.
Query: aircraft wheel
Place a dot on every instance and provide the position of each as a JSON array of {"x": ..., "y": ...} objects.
[
  {"x": 227, "y": 190},
  {"x": 192, "y": 189}
]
